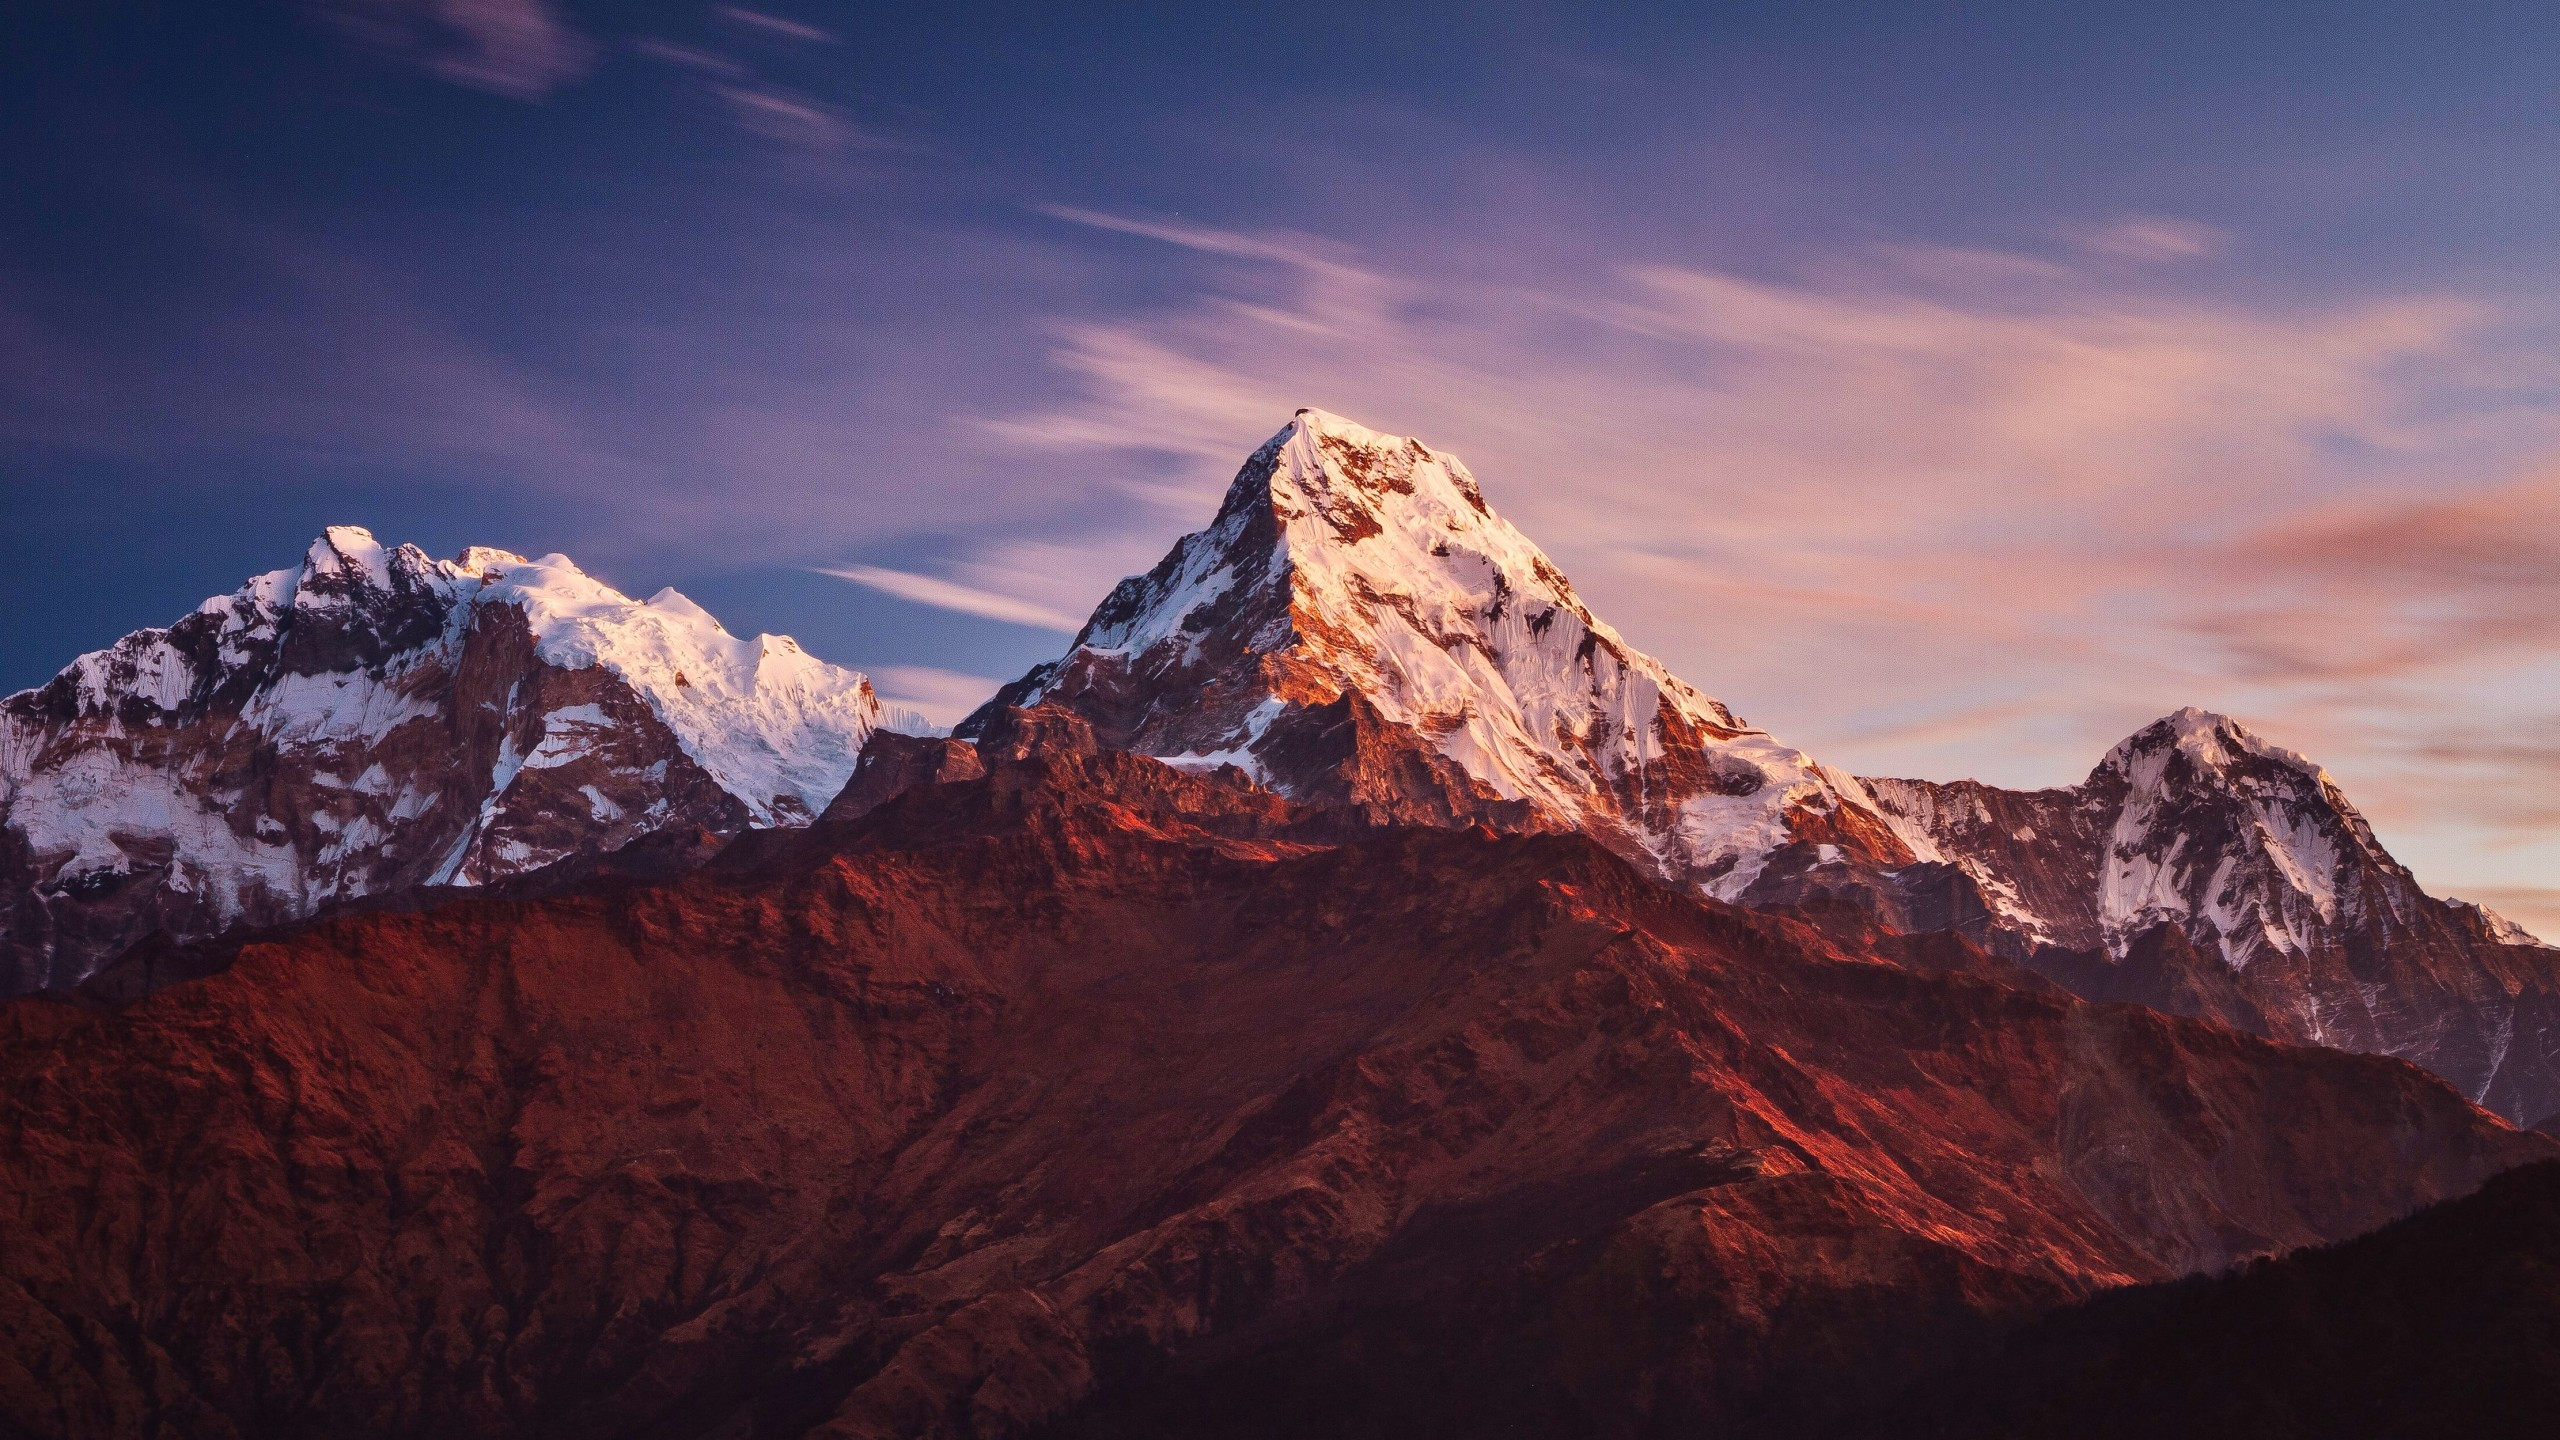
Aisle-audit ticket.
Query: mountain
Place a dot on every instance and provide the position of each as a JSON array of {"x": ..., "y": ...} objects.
[
  {"x": 375, "y": 720},
  {"x": 1045, "y": 1090},
  {"x": 1359, "y": 627},
  {"x": 2446, "y": 1324},
  {"x": 2200, "y": 869}
]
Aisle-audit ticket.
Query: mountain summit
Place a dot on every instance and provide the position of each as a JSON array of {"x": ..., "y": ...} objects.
[
  {"x": 1359, "y": 625},
  {"x": 2204, "y": 870},
  {"x": 374, "y": 720},
  {"x": 1359, "y": 628}
]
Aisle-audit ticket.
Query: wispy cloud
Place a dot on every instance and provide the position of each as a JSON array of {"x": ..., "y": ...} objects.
[
  {"x": 2391, "y": 584},
  {"x": 518, "y": 48},
  {"x": 2147, "y": 239},
  {"x": 1302, "y": 251},
  {"x": 788, "y": 117},
  {"x": 688, "y": 57},
  {"x": 771, "y": 24},
  {"x": 944, "y": 697},
  {"x": 761, "y": 107},
  {"x": 946, "y": 595}
]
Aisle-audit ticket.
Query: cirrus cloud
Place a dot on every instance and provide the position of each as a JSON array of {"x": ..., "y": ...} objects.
[
  {"x": 521, "y": 49},
  {"x": 949, "y": 595}
]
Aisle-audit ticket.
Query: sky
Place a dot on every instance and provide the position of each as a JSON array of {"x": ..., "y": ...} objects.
[{"x": 1949, "y": 389}]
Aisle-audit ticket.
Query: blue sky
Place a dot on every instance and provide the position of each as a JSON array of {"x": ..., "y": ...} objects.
[{"x": 1949, "y": 388}]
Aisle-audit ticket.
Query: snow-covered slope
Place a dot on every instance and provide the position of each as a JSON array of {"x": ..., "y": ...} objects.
[
  {"x": 2249, "y": 844},
  {"x": 376, "y": 719},
  {"x": 1359, "y": 624},
  {"x": 774, "y": 725},
  {"x": 2203, "y": 868}
]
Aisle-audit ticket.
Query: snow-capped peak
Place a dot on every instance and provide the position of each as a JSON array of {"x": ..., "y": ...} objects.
[
  {"x": 2502, "y": 929},
  {"x": 375, "y": 718},
  {"x": 2209, "y": 741},
  {"x": 347, "y": 552},
  {"x": 1348, "y": 561},
  {"x": 771, "y": 722},
  {"x": 776, "y": 726},
  {"x": 2195, "y": 826},
  {"x": 2222, "y": 831}
]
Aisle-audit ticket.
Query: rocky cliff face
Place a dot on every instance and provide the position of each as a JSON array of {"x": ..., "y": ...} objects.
[
  {"x": 375, "y": 721},
  {"x": 2203, "y": 870},
  {"x": 1085, "y": 1096},
  {"x": 1358, "y": 626}
]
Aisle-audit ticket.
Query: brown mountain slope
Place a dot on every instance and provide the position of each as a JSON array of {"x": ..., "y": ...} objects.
[{"x": 1044, "y": 1097}]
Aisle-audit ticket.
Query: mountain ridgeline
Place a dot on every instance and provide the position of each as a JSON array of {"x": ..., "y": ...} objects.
[
  {"x": 1359, "y": 628},
  {"x": 1350, "y": 991}
]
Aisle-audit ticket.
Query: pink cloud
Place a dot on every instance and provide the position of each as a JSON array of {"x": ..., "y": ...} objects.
[
  {"x": 778, "y": 114},
  {"x": 771, "y": 24},
  {"x": 950, "y": 595},
  {"x": 2387, "y": 584},
  {"x": 944, "y": 697},
  {"x": 2147, "y": 239},
  {"x": 522, "y": 49},
  {"x": 1924, "y": 509}
]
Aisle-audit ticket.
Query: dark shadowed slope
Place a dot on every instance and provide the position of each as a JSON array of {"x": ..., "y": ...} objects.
[{"x": 2446, "y": 1324}]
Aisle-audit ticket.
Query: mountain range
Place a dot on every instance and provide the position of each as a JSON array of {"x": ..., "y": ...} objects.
[
  {"x": 1350, "y": 990},
  {"x": 1042, "y": 1089}
]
